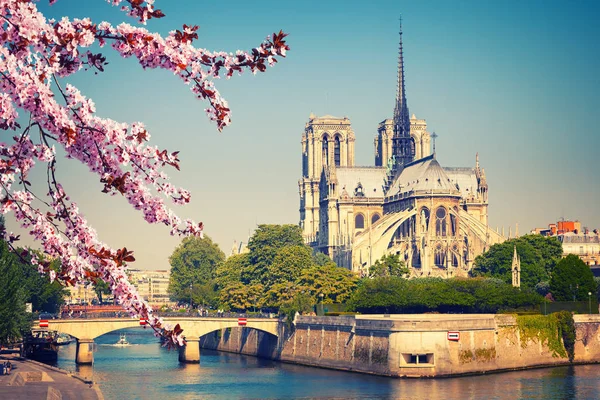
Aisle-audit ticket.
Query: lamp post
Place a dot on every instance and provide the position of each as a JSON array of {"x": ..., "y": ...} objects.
[
  {"x": 590, "y": 301},
  {"x": 191, "y": 297},
  {"x": 321, "y": 300}
]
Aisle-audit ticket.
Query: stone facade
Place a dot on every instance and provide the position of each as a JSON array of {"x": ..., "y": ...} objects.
[
  {"x": 410, "y": 345},
  {"x": 435, "y": 218}
]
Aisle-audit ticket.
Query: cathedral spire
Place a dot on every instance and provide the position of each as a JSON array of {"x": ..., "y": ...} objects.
[{"x": 403, "y": 148}]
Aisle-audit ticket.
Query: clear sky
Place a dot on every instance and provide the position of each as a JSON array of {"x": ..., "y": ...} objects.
[{"x": 516, "y": 81}]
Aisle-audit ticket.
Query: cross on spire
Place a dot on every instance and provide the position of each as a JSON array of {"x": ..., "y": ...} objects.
[{"x": 434, "y": 136}]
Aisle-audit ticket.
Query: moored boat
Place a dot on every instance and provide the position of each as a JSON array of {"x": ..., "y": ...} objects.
[{"x": 39, "y": 345}]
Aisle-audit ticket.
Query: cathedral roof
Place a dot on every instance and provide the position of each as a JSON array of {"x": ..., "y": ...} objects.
[
  {"x": 424, "y": 175},
  {"x": 464, "y": 178},
  {"x": 370, "y": 180}
]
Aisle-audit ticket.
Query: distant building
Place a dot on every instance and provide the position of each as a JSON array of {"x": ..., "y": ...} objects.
[
  {"x": 152, "y": 285},
  {"x": 81, "y": 294},
  {"x": 584, "y": 245},
  {"x": 559, "y": 228},
  {"x": 575, "y": 240},
  {"x": 238, "y": 248}
]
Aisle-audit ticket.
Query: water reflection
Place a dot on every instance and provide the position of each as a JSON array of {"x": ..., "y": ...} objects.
[{"x": 147, "y": 371}]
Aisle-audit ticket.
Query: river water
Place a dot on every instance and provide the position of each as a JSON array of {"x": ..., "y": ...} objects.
[{"x": 144, "y": 370}]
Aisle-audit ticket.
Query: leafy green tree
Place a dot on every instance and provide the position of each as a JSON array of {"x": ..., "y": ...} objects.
[
  {"x": 334, "y": 283},
  {"x": 288, "y": 264},
  {"x": 301, "y": 303},
  {"x": 321, "y": 258},
  {"x": 239, "y": 297},
  {"x": 39, "y": 291},
  {"x": 280, "y": 293},
  {"x": 548, "y": 249},
  {"x": 101, "y": 288},
  {"x": 572, "y": 280},
  {"x": 14, "y": 321},
  {"x": 206, "y": 294},
  {"x": 475, "y": 295},
  {"x": 230, "y": 271},
  {"x": 264, "y": 245},
  {"x": 194, "y": 262},
  {"x": 380, "y": 295},
  {"x": 497, "y": 261},
  {"x": 388, "y": 265}
]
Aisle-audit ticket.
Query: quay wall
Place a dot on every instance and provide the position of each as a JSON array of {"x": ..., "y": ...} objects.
[{"x": 409, "y": 345}]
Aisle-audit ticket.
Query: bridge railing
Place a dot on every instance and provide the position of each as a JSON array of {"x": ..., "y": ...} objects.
[{"x": 187, "y": 314}]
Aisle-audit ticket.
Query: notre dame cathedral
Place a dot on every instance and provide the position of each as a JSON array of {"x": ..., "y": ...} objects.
[{"x": 434, "y": 217}]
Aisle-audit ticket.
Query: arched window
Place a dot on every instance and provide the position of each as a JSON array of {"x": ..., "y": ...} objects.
[
  {"x": 336, "y": 153},
  {"x": 440, "y": 222},
  {"x": 359, "y": 221},
  {"x": 326, "y": 150},
  {"x": 455, "y": 256},
  {"x": 440, "y": 256},
  {"x": 374, "y": 218},
  {"x": 453, "y": 225},
  {"x": 416, "y": 257}
]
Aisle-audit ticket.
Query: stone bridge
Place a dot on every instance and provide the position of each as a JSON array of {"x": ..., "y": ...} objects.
[{"x": 86, "y": 330}]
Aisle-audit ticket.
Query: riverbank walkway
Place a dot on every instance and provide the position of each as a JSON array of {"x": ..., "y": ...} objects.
[{"x": 33, "y": 380}]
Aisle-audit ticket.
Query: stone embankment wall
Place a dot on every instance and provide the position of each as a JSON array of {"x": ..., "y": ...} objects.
[{"x": 410, "y": 345}]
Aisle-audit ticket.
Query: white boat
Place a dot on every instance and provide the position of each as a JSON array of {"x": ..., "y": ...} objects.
[
  {"x": 122, "y": 341},
  {"x": 62, "y": 339}
]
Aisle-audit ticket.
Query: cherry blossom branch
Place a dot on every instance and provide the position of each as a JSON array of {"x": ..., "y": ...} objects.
[{"x": 34, "y": 55}]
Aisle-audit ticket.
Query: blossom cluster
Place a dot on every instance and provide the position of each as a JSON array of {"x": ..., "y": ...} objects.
[{"x": 35, "y": 57}]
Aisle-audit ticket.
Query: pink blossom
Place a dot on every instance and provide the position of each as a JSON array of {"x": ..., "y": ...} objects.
[{"x": 35, "y": 56}]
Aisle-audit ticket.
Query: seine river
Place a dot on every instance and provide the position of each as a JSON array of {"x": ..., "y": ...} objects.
[{"x": 144, "y": 370}]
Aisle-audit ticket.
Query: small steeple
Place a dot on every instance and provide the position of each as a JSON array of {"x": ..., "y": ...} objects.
[
  {"x": 477, "y": 160},
  {"x": 516, "y": 269}
]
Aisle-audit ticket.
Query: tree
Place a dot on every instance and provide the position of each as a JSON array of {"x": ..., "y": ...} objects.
[
  {"x": 193, "y": 262},
  {"x": 14, "y": 321},
  {"x": 101, "y": 288},
  {"x": 43, "y": 294},
  {"x": 264, "y": 245},
  {"x": 240, "y": 297},
  {"x": 288, "y": 264},
  {"x": 497, "y": 261},
  {"x": 456, "y": 295},
  {"x": 388, "y": 265},
  {"x": 572, "y": 280},
  {"x": 230, "y": 271},
  {"x": 334, "y": 283},
  {"x": 321, "y": 259},
  {"x": 38, "y": 56}
]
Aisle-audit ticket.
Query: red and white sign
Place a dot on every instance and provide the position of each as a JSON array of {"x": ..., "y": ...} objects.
[
  {"x": 43, "y": 323},
  {"x": 242, "y": 321},
  {"x": 454, "y": 336},
  {"x": 143, "y": 321}
]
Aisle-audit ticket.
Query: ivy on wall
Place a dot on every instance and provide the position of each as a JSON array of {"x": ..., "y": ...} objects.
[{"x": 556, "y": 331}]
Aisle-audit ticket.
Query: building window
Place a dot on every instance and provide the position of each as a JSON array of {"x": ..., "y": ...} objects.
[
  {"x": 440, "y": 221},
  {"x": 453, "y": 225},
  {"x": 455, "y": 256},
  {"x": 325, "y": 150},
  {"x": 440, "y": 256},
  {"x": 337, "y": 151},
  {"x": 359, "y": 221},
  {"x": 416, "y": 359},
  {"x": 375, "y": 218}
]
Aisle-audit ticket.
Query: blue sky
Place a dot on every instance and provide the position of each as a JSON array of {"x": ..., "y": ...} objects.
[{"x": 515, "y": 81}]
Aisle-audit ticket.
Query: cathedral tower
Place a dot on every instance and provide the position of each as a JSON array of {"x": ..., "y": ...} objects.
[
  {"x": 326, "y": 141},
  {"x": 403, "y": 147}
]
